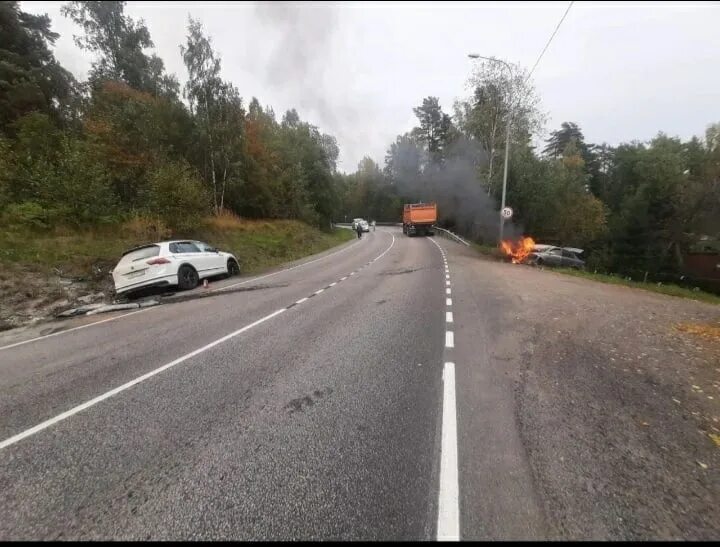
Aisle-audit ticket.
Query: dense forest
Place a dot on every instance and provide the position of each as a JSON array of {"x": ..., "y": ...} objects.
[
  {"x": 125, "y": 143},
  {"x": 637, "y": 208},
  {"x": 132, "y": 141}
]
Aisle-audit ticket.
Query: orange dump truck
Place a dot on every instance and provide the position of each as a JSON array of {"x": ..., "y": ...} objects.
[{"x": 419, "y": 218}]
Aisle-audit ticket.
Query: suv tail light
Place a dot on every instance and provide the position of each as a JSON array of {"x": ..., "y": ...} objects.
[{"x": 156, "y": 261}]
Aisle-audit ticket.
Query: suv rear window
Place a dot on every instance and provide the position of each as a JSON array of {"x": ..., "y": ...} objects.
[{"x": 139, "y": 254}]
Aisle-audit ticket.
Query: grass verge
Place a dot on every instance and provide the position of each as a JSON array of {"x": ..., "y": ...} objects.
[
  {"x": 42, "y": 273},
  {"x": 669, "y": 289},
  {"x": 257, "y": 244}
]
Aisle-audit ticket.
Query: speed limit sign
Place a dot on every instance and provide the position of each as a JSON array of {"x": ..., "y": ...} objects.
[{"x": 506, "y": 213}]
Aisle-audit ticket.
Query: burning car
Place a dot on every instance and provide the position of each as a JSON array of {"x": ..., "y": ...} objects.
[
  {"x": 549, "y": 255},
  {"x": 526, "y": 251}
]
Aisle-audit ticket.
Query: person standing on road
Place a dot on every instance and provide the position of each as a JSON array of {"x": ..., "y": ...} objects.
[
  {"x": 359, "y": 230},
  {"x": 373, "y": 223}
]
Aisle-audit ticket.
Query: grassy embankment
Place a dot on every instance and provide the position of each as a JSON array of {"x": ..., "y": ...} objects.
[
  {"x": 34, "y": 264},
  {"x": 258, "y": 244},
  {"x": 664, "y": 288}
]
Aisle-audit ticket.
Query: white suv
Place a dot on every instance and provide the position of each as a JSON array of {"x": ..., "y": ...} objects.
[{"x": 183, "y": 263}]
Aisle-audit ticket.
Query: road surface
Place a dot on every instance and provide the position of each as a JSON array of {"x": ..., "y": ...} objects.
[{"x": 382, "y": 390}]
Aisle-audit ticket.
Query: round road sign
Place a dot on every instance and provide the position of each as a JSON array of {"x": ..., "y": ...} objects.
[{"x": 506, "y": 213}]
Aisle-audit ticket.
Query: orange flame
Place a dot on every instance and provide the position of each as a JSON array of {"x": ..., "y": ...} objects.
[{"x": 519, "y": 250}]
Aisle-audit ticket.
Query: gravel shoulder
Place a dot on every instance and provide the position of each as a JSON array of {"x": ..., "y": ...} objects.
[{"x": 615, "y": 406}]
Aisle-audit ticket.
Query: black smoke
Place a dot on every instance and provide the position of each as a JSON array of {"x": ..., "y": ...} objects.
[{"x": 455, "y": 184}]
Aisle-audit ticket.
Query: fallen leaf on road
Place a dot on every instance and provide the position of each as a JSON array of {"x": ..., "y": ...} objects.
[
  {"x": 675, "y": 400},
  {"x": 706, "y": 331},
  {"x": 715, "y": 438},
  {"x": 703, "y": 465}
]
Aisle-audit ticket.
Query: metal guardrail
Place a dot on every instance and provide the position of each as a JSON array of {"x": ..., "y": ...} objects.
[
  {"x": 449, "y": 234},
  {"x": 345, "y": 224}
]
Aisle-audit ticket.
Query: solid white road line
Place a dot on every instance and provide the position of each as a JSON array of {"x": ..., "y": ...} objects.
[
  {"x": 449, "y": 339},
  {"x": 448, "y": 317},
  {"x": 75, "y": 328},
  {"x": 448, "y": 301},
  {"x": 285, "y": 270},
  {"x": 448, "y": 523},
  {"x": 92, "y": 402},
  {"x": 301, "y": 300}
]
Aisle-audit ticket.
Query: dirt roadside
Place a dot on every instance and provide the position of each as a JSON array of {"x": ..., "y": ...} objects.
[{"x": 618, "y": 409}]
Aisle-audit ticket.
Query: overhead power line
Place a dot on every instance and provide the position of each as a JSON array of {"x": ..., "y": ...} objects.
[{"x": 550, "y": 40}]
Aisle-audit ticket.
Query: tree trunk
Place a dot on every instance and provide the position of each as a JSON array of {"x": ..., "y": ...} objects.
[
  {"x": 212, "y": 156},
  {"x": 222, "y": 192}
]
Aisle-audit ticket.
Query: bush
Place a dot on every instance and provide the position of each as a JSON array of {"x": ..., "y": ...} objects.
[
  {"x": 144, "y": 228},
  {"x": 27, "y": 214},
  {"x": 81, "y": 189},
  {"x": 174, "y": 193}
]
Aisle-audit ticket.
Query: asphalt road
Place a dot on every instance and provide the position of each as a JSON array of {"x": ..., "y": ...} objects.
[{"x": 366, "y": 393}]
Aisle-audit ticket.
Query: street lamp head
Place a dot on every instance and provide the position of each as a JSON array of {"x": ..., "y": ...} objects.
[{"x": 492, "y": 59}]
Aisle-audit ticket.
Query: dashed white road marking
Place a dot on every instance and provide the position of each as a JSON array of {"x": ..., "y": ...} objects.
[
  {"x": 286, "y": 269},
  {"x": 448, "y": 291},
  {"x": 448, "y": 523},
  {"x": 447, "y": 276},
  {"x": 301, "y": 300},
  {"x": 333, "y": 284},
  {"x": 449, "y": 339},
  {"x": 448, "y": 301},
  {"x": 319, "y": 291},
  {"x": 447, "y": 282},
  {"x": 343, "y": 278},
  {"x": 448, "y": 317}
]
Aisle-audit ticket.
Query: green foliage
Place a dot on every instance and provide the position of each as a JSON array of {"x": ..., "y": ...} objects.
[
  {"x": 119, "y": 42},
  {"x": 30, "y": 77},
  {"x": 26, "y": 214},
  {"x": 435, "y": 130},
  {"x": 175, "y": 194},
  {"x": 129, "y": 144}
]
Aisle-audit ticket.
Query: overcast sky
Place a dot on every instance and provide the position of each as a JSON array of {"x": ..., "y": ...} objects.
[{"x": 622, "y": 71}]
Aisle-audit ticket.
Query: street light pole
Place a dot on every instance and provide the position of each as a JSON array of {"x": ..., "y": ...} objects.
[{"x": 507, "y": 136}]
